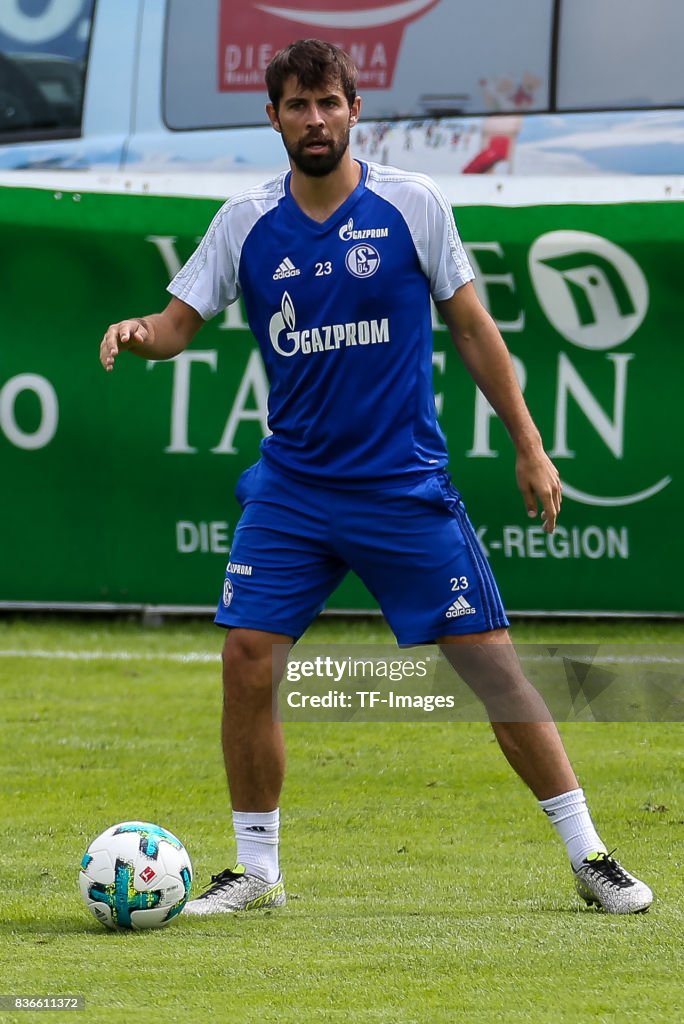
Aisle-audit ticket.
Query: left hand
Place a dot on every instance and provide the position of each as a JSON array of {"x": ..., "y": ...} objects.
[{"x": 539, "y": 481}]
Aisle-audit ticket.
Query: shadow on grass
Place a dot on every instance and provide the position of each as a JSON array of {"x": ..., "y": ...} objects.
[
  {"x": 41, "y": 930},
  {"x": 56, "y": 927}
]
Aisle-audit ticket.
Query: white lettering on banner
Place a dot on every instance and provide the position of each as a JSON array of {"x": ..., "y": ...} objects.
[
  {"x": 166, "y": 247},
  {"x": 484, "y": 414},
  {"x": 372, "y": 32},
  {"x": 593, "y": 542},
  {"x": 378, "y": 58},
  {"x": 248, "y": 58},
  {"x": 57, "y": 16},
  {"x": 484, "y": 282},
  {"x": 611, "y": 432},
  {"x": 180, "y": 397},
  {"x": 203, "y": 537},
  {"x": 254, "y": 382},
  {"x": 49, "y": 411}
]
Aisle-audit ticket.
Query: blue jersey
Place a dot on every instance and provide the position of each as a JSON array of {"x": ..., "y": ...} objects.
[{"x": 341, "y": 312}]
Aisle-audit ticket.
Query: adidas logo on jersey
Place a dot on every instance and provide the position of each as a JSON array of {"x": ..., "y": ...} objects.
[
  {"x": 286, "y": 269},
  {"x": 460, "y": 607}
]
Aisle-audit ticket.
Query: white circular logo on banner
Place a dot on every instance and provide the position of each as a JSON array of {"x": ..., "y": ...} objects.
[{"x": 592, "y": 291}]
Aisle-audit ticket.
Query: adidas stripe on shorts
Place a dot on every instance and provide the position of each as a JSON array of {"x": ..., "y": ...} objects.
[{"x": 413, "y": 546}]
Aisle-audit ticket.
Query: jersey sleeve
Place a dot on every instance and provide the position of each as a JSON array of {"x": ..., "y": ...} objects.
[
  {"x": 430, "y": 221},
  {"x": 208, "y": 281},
  {"x": 446, "y": 263}
]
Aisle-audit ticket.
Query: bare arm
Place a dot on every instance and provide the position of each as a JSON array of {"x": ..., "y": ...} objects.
[
  {"x": 484, "y": 353},
  {"x": 158, "y": 336}
]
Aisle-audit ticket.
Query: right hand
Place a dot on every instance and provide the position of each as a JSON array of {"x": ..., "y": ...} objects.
[
  {"x": 538, "y": 480},
  {"x": 120, "y": 337}
]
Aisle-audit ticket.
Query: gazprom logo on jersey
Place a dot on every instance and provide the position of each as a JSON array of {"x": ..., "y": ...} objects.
[
  {"x": 329, "y": 338},
  {"x": 350, "y": 234}
]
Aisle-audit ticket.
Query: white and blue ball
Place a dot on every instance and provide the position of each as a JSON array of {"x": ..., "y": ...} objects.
[{"x": 135, "y": 875}]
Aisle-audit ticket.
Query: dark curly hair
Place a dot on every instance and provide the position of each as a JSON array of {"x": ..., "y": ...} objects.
[{"x": 314, "y": 64}]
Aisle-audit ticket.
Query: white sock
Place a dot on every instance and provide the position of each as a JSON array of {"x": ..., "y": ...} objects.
[
  {"x": 257, "y": 837},
  {"x": 569, "y": 815}
]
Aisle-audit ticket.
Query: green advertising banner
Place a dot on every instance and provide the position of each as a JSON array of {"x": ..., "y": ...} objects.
[{"x": 118, "y": 488}]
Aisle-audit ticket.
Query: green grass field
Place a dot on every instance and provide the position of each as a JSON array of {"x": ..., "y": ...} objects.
[{"x": 425, "y": 885}]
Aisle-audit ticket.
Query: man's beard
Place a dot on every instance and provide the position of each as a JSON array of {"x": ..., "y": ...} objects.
[{"x": 317, "y": 165}]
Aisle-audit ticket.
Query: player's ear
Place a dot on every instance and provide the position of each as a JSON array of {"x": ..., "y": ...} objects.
[
  {"x": 354, "y": 111},
  {"x": 273, "y": 116}
]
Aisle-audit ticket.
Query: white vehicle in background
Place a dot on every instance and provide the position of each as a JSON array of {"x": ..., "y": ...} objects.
[{"x": 543, "y": 87}]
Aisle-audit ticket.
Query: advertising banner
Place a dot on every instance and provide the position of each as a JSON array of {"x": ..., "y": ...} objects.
[
  {"x": 119, "y": 488},
  {"x": 403, "y": 49},
  {"x": 254, "y": 34}
]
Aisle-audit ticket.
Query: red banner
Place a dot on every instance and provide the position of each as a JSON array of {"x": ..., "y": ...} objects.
[{"x": 371, "y": 31}]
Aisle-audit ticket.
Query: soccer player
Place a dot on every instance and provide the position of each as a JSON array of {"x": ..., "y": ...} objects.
[{"x": 336, "y": 261}]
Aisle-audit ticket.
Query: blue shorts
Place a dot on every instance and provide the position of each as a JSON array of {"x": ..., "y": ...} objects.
[{"x": 413, "y": 547}]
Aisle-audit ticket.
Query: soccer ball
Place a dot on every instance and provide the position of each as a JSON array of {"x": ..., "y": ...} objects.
[{"x": 135, "y": 875}]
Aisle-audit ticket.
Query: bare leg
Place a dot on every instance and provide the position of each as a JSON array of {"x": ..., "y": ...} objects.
[
  {"x": 519, "y": 717},
  {"x": 253, "y": 747}
]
